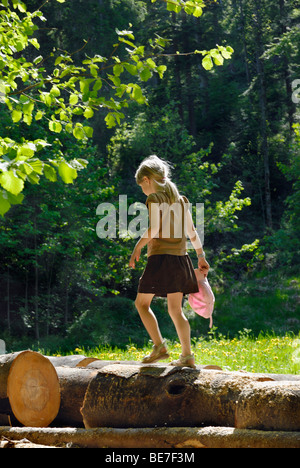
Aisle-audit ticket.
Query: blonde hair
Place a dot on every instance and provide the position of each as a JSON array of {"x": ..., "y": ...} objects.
[{"x": 159, "y": 171}]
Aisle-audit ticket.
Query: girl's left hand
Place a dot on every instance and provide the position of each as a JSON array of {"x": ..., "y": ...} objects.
[
  {"x": 134, "y": 257},
  {"x": 203, "y": 266}
]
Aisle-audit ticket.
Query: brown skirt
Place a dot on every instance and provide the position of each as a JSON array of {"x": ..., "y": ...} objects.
[{"x": 165, "y": 274}]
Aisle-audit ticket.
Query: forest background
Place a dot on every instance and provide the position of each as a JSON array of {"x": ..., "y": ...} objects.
[{"x": 228, "y": 123}]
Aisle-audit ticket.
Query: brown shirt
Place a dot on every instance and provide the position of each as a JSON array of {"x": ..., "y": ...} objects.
[{"x": 168, "y": 222}]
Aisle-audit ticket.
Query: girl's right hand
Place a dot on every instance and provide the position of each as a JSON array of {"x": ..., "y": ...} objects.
[{"x": 134, "y": 257}]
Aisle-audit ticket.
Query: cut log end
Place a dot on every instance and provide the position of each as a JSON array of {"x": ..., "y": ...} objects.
[{"x": 33, "y": 389}]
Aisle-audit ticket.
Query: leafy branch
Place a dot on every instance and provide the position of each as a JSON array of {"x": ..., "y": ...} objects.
[{"x": 69, "y": 96}]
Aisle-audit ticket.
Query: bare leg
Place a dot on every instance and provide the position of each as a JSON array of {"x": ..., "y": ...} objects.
[
  {"x": 148, "y": 318},
  {"x": 180, "y": 321}
]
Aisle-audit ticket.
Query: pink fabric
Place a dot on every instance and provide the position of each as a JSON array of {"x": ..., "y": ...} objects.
[{"x": 203, "y": 301}]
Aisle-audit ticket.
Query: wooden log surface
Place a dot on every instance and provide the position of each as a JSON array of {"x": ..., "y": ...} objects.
[
  {"x": 160, "y": 437},
  {"x": 133, "y": 396},
  {"x": 73, "y": 383},
  {"x": 29, "y": 383},
  {"x": 74, "y": 360},
  {"x": 269, "y": 406},
  {"x": 99, "y": 364},
  {"x": 6, "y": 361}
]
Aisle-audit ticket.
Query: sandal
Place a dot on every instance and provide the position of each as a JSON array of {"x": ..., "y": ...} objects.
[
  {"x": 183, "y": 361},
  {"x": 158, "y": 354}
]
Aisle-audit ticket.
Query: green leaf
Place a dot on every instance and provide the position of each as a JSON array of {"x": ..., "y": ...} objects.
[
  {"x": 146, "y": 74},
  {"x": 37, "y": 166},
  {"x": 50, "y": 173},
  {"x": 88, "y": 113},
  {"x": 26, "y": 168},
  {"x": 35, "y": 42},
  {"x": 39, "y": 115},
  {"x": 55, "y": 126},
  {"x": 207, "y": 63},
  {"x": 4, "y": 205},
  {"x": 67, "y": 172},
  {"x": 15, "y": 199},
  {"x": 151, "y": 63},
  {"x": 171, "y": 6},
  {"x": 110, "y": 120},
  {"x": 28, "y": 108},
  {"x": 217, "y": 57},
  {"x": 16, "y": 116},
  {"x": 27, "y": 150},
  {"x": 132, "y": 69},
  {"x": 73, "y": 99},
  {"x": 55, "y": 91},
  {"x": 198, "y": 12},
  {"x": 97, "y": 85},
  {"x": 11, "y": 182},
  {"x": 161, "y": 70},
  {"x": 137, "y": 95},
  {"x": 78, "y": 133},
  {"x": 88, "y": 131},
  {"x": 118, "y": 69}
]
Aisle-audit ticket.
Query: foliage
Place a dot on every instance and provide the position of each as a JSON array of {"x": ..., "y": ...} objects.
[
  {"x": 96, "y": 90},
  {"x": 66, "y": 94}
]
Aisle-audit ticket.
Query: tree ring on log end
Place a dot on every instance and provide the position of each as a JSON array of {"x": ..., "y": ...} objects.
[{"x": 33, "y": 389}]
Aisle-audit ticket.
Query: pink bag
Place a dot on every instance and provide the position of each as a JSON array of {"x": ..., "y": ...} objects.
[{"x": 203, "y": 301}]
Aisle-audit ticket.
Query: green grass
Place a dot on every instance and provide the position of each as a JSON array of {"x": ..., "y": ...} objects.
[{"x": 266, "y": 353}]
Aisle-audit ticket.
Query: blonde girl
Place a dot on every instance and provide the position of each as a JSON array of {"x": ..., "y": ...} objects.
[{"x": 169, "y": 271}]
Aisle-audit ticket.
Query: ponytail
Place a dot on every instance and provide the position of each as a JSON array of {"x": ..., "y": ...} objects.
[{"x": 159, "y": 171}]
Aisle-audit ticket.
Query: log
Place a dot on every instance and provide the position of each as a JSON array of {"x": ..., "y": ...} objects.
[
  {"x": 160, "y": 437},
  {"x": 8, "y": 443},
  {"x": 150, "y": 396},
  {"x": 99, "y": 364},
  {"x": 73, "y": 383},
  {"x": 74, "y": 360},
  {"x": 29, "y": 388},
  {"x": 269, "y": 406}
]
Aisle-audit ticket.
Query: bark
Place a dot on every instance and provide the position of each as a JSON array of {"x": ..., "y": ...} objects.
[
  {"x": 71, "y": 361},
  {"x": 161, "y": 437},
  {"x": 151, "y": 396},
  {"x": 29, "y": 388},
  {"x": 99, "y": 364},
  {"x": 269, "y": 406},
  {"x": 73, "y": 384}
]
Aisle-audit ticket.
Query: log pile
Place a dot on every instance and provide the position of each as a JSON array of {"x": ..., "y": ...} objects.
[{"x": 94, "y": 403}]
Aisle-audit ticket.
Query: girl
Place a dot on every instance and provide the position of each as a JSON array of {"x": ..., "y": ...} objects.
[{"x": 169, "y": 271}]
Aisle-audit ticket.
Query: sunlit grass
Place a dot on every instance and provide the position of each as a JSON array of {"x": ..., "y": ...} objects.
[{"x": 266, "y": 353}]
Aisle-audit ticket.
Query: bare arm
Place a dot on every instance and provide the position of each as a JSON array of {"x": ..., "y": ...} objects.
[
  {"x": 151, "y": 232},
  {"x": 196, "y": 242}
]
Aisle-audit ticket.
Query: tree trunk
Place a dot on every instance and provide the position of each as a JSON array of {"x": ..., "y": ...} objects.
[
  {"x": 8, "y": 300},
  {"x": 291, "y": 107},
  {"x": 245, "y": 51},
  {"x": 264, "y": 146},
  {"x": 73, "y": 382},
  {"x": 150, "y": 396},
  {"x": 36, "y": 281},
  {"x": 158, "y": 437},
  {"x": 29, "y": 388},
  {"x": 269, "y": 406},
  {"x": 71, "y": 361},
  {"x": 99, "y": 364}
]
